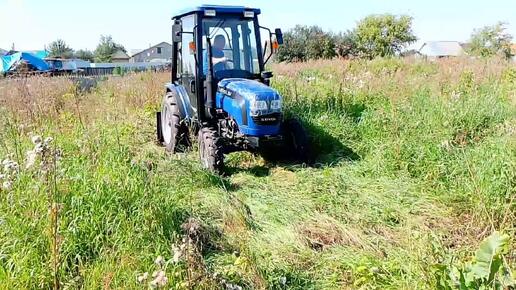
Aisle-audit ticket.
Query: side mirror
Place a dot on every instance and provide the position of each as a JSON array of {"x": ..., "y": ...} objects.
[
  {"x": 279, "y": 36},
  {"x": 177, "y": 29}
]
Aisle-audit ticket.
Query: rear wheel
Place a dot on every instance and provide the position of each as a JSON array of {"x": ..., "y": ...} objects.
[
  {"x": 210, "y": 150},
  {"x": 174, "y": 131}
]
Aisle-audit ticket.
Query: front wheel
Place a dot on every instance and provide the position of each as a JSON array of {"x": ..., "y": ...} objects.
[{"x": 210, "y": 150}]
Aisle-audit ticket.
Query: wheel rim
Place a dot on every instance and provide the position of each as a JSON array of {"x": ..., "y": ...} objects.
[{"x": 166, "y": 125}]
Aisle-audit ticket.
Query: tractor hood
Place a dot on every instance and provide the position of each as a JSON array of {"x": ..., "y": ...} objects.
[
  {"x": 248, "y": 89},
  {"x": 259, "y": 96}
]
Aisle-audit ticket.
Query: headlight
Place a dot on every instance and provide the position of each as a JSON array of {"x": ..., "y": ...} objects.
[
  {"x": 276, "y": 105},
  {"x": 258, "y": 105}
]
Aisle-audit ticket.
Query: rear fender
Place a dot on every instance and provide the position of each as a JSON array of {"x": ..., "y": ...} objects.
[{"x": 182, "y": 100}]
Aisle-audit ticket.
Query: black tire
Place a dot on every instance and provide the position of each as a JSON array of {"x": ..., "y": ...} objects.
[
  {"x": 210, "y": 150},
  {"x": 173, "y": 129},
  {"x": 297, "y": 141}
]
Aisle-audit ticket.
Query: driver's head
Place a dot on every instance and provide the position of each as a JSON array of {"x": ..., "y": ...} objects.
[{"x": 219, "y": 42}]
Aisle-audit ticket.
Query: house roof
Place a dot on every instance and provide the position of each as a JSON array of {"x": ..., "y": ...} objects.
[
  {"x": 442, "y": 48},
  {"x": 119, "y": 55},
  {"x": 135, "y": 52}
]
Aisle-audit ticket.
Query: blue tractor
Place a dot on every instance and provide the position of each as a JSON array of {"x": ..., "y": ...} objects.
[{"x": 220, "y": 89}]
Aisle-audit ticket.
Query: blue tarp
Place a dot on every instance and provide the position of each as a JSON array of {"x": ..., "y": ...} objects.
[{"x": 8, "y": 61}]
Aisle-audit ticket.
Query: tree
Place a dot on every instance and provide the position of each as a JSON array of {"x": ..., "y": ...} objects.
[
  {"x": 490, "y": 41},
  {"x": 306, "y": 42},
  {"x": 345, "y": 44},
  {"x": 383, "y": 35},
  {"x": 60, "y": 49},
  {"x": 85, "y": 54},
  {"x": 106, "y": 48}
]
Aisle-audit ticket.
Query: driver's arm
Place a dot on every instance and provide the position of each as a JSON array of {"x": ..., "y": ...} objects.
[{"x": 216, "y": 60}]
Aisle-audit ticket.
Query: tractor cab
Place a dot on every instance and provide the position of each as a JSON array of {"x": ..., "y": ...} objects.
[
  {"x": 219, "y": 88},
  {"x": 233, "y": 33}
]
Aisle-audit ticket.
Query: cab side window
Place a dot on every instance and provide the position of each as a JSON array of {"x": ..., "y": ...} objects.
[{"x": 187, "y": 49}]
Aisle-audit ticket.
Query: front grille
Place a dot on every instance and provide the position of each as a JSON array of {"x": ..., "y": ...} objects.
[{"x": 270, "y": 119}]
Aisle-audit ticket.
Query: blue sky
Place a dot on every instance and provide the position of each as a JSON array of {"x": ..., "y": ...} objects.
[{"x": 30, "y": 24}]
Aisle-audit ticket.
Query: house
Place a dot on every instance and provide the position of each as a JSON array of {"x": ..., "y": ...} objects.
[
  {"x": 161, "y": 52},
  {"x": 119, "y": 57},
  {"x": 440, "y": 49},
  {"x": 513, "y": 51}
]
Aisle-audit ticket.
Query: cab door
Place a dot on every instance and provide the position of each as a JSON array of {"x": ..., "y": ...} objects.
[{"x": 187, "y": 69}]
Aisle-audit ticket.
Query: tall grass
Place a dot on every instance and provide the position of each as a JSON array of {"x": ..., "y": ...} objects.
[{"x": 416, "y": 166}]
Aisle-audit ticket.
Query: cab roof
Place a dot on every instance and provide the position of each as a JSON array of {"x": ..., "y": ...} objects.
[{"x": 218, "y": 9}]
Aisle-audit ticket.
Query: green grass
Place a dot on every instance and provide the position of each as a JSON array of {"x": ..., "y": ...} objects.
[{"x": 416, "y": 165}]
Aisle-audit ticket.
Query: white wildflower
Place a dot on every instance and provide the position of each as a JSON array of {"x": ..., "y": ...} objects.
[
  {"x": 7, "y": 185},
  {"x": 160, "y": 281},
  {"x": 159, "y": 261},
  {"x": 36, "y": 139},
  {"x": 48, "y": 140},
  {"x": 283, "y": 280},
  {"x": 142, "y": 277},
  {"x": 177, "y": 254},
  {"x": 31, "y": 159}
]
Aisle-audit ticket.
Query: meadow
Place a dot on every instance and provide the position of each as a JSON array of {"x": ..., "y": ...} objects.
[{"x": 415, "y": 167}]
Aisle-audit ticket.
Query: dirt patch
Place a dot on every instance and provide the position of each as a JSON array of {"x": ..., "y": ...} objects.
[{"x": 324, "y": 232}]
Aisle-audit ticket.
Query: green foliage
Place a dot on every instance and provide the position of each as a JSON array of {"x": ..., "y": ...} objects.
[
  {"x": 415, "y": 161},
  {"x": 490, "y": 41},
  {"x": 374, "y": 36},
  {"x": 85, "y": 54},
  {"x": 59, "y": 49},
  {"x": 106, "y": 48},
  {"x": 383, "y": 35},
  {"x": 488, "y": 269},
  {"x": 306, "y": 42}
]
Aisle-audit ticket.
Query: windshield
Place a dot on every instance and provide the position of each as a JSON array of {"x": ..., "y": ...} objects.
[{"x": 234, "y": 51}]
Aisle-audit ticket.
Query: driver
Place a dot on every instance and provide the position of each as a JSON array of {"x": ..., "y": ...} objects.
[{"x": 217, "y": 55}]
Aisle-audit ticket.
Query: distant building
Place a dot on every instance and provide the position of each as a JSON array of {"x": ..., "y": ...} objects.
[
  {"x": 513, "y": 50},
  {"x": 161, "y": 52},
  {"x": 119, "y": 57},
  {"x": 440, "y": 49}
]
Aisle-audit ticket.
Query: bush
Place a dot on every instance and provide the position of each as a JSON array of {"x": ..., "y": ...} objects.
[{"x": 303, "y": 43}]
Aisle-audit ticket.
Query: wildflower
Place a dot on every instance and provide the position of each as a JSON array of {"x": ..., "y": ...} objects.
[
  {"x": 142, "y": 277},
  {"x": 31, "y": 158},
  {"x": 10, "y": 166},
  {"x": 7, "y": 185},
  {"x": 283, "y": 280},
  {"x": 159, "y": 261},
  {"x": 230, "y": 286},
  {"x": 160, "y": 280},
  {"x": 36, "y": 139},
  {"x": 177, "y": 254}
]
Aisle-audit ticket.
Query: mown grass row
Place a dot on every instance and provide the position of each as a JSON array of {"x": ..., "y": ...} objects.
[{"x": 416, "y": 165}]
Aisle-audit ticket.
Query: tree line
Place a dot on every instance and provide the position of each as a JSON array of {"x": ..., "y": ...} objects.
[
  {"x": 380, "y": 36},
  {"x": 374, "y": 36},
  {"x": 103, "y": 53}
]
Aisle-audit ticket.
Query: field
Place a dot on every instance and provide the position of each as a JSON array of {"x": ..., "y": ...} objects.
[{"x": 416, "y": 166}]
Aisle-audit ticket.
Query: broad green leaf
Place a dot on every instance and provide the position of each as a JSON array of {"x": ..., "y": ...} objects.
[{"x": 487, "y": 258}]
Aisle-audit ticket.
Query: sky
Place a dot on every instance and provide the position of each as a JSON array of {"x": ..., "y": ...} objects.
[{"x": 32, "y": 24}]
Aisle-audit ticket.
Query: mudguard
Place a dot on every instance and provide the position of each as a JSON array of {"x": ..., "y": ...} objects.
[{"x": 182, "y": 99}]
